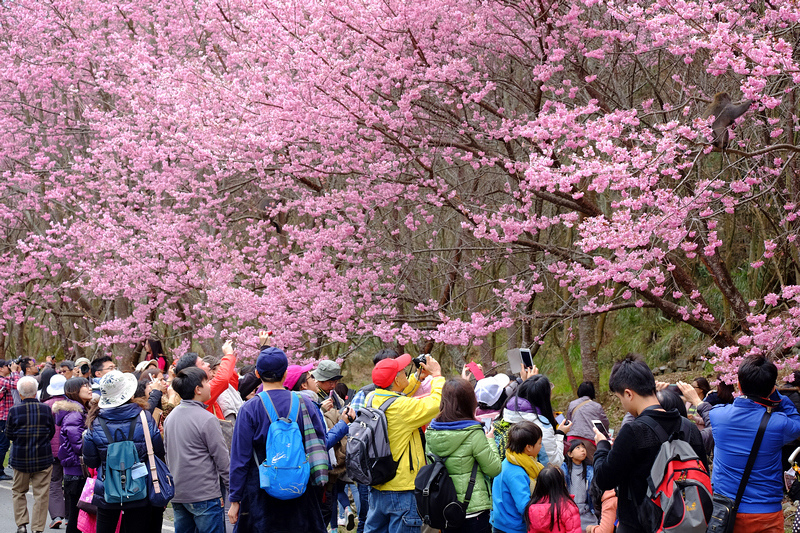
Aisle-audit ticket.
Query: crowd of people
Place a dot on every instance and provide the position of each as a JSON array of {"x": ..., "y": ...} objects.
[{"x": 227, "y": 436}]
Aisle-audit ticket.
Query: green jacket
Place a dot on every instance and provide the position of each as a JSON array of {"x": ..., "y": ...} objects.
[{"x": 461, "y": 446}]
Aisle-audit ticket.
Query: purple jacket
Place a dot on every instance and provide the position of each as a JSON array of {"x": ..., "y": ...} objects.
[{"x": 71, "y": 417}]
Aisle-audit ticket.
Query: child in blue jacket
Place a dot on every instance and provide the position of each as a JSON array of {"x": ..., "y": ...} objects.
[{"x": 511, "y": 490}]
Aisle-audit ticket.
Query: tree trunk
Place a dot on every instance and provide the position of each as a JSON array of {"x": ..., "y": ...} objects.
[{"x": 586, "y": 334}]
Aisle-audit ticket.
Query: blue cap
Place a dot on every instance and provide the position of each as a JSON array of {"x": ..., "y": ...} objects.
[{"x": 272, "y": 360}]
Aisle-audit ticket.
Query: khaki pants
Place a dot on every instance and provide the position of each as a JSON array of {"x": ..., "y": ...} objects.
[{"x": 39, "y": 483}]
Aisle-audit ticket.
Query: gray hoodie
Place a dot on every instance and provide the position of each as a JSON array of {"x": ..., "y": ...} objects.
[{"x": 196, "y": 453}]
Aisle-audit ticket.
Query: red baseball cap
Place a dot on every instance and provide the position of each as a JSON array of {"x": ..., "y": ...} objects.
[{"x": 385, "y": 371}]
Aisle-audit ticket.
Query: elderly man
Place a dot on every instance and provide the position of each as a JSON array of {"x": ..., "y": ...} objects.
[{"x": 30, "y": 426}]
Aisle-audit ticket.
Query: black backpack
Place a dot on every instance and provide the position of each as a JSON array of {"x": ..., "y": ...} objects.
[
  {"x": 368, "y": 459},
  {"x": 437, "y": 500}
]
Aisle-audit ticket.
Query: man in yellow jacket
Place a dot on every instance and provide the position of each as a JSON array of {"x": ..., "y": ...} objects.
[{"x": 392, "y": 507}]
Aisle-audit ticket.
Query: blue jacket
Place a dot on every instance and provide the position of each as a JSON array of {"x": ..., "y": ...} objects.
[
  {"x": 734, "y": 427},
  {"x": 259, "y": 511},
  {"x": 589, "y": 477},
  {"x": 511, "y": 491},
  {"x": 118, "y": 420}
]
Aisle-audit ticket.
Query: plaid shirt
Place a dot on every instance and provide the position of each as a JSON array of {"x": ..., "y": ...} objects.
[
  {"x": 30, "y": 426},
  {"x": 7, "y": 384}
]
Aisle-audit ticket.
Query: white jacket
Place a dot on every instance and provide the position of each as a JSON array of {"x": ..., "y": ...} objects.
[{"x": 552, "y": 443}]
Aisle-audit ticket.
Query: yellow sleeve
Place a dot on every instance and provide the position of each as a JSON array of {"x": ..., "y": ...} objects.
[{"x": 416, "y": 412}]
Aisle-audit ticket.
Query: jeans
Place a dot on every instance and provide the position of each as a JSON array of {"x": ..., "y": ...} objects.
[
  {"x": 363, "y": 507},
  {"x": 392, "y": 512},
  {"x": 199, "y": 517},
  {"x": 4, "y": 444}
]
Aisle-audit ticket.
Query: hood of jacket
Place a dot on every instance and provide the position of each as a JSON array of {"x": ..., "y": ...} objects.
[
  {"x": 512, "y": 417},
  {"x": 311, "y": 395},
  {"x": 63, "y": 407},
  {"x": 445, "y": 441}
]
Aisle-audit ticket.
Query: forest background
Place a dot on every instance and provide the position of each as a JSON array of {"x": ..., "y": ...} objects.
[{"x": 455, "y": 177}]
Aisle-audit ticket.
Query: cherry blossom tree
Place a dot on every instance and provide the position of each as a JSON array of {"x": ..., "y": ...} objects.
[{"x": 472, "y": 173}]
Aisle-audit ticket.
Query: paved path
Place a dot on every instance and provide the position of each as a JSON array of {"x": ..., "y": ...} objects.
[{"x": 7, "y": 524}]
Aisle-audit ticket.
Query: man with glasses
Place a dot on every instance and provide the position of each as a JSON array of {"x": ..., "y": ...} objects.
[
  {"x": 9, "y": 376},
  {"x": 66, "y": 369}
]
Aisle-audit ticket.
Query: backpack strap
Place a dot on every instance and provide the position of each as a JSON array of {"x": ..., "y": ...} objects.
[
  {"x": 385, "y": 405},
  {"x": 578, "y": 407},
  {"x": 133, "y": 428},
  {"x": 751, "y": 461},
  {"x": 294, "y": 408},
  {"x": 471, "y": 486},
  {"x": 110, "y": 437},
  {"x": 269, "y": 407},
  {"x": 656, "y": 427}
]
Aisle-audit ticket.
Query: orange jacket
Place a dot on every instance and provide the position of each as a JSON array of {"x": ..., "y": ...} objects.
[{"x": 225, "y": 375}]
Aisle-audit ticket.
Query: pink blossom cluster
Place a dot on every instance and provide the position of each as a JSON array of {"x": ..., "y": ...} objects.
[{"x": 403, "y": 170}]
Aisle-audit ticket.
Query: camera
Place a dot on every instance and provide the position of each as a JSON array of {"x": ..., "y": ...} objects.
[
  {"x": 16, "y": 361},
  {"x": 420, "y": 359}
]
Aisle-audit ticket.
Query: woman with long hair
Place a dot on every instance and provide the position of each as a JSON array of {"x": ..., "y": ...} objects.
[
  {"x": 70, "y": 417},
  {"x": 458, "y": 437},
  {"x": 119, "y": 411},
  {"x": 551, "y": 508},
  {"x": 532, "y": 402},
  {"x": 155, "y": 352}
]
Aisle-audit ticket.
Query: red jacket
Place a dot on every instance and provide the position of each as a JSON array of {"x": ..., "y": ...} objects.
[
  {"x": 225, "y": 375},
  {"x": 569, "y": 518}
]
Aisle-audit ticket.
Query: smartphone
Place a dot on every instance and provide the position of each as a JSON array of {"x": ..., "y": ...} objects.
[
  {"x": 476, "y": 371},
  {"x": 600, "y": 427},
  {"x": 560, "y": 418},
  {"x": 332, "y": 396},
  {"x": 527, "y": 360}
]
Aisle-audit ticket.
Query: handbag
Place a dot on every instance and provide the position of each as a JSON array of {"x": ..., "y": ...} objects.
[
  {"x": 724, "y": 514},
  {"x": 87, "y": 522},
  {"x": 162, "y": 486},
  {"x": 87, "y": 494}
]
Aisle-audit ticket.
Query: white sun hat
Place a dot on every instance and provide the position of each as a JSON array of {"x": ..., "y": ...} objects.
[
  {"x": 144, "y": 365},
  {"x": 56, "y": 386},
  {"x": 116, "y": 388},
  {"x": 488, "y": 390}
]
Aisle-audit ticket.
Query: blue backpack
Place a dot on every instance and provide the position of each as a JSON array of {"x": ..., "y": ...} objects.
[
  {"x": 125, "y": 476},
  {"x": 285, "y": 471}
]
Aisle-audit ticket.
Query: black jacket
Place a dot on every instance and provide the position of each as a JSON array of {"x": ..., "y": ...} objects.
[{"x": 627, "y": 464}]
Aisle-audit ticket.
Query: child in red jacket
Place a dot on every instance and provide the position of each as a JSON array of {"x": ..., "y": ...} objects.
[{"x": 551, "y": 508}]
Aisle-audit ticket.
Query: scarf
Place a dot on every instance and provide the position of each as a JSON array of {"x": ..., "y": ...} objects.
[
  {"x": 531, "y": 465},
  {"x": 316, "y": 454}
]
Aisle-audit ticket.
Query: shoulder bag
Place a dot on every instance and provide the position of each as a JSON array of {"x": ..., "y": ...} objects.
[
  {"x": 724, "y": 514},
  {"x": 162, "y": 487}
]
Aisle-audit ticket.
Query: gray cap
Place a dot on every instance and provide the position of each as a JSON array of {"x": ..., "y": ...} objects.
[{"x": 327, "y": 371}]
